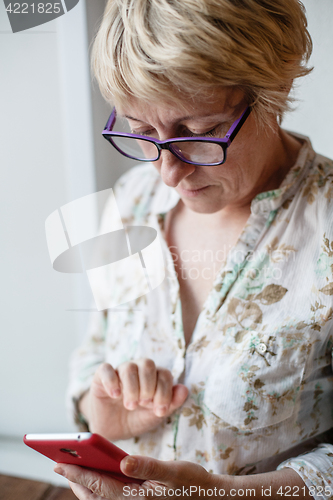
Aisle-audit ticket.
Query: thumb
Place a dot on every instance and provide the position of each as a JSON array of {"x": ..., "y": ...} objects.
[{"x": 147, "y": 468}]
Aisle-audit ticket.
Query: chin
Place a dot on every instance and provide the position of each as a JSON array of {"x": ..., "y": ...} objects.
[{"x": 204, "y": 206}]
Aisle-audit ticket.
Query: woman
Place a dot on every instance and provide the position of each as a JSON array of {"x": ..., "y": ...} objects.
[{"x": 220, "y": 378}]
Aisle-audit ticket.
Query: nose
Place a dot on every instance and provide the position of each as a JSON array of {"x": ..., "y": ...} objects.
[{"x": 173, "y": 170}]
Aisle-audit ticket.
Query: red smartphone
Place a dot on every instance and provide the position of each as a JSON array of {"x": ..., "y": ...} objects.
[{"x": 85, "y": 449}]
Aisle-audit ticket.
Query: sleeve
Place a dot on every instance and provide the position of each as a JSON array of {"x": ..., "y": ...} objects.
[{"x": 315, "y": 468}]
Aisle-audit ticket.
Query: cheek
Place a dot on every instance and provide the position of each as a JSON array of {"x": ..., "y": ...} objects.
[
  {"x": 239, "y": 164},
  {"x": 148, "y": 149},
  {"x": 218, "y": 174}
]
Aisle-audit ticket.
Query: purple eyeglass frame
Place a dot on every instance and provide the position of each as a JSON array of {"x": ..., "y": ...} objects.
[{"x": 167, "y": 144}]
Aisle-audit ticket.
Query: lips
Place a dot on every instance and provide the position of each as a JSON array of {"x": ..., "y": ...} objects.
[{"x": 190, "y": 192}]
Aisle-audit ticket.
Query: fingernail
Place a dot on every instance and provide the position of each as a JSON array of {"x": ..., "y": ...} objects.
[
  {"x": 145, "y": 401},
  {"x": 131, "y": 464},
  {"x": 131, "y": 405},
  {"x": 59, "y": 470},
  {"x": 115, "y": 393},
  {"x": 161, "y": 410}
]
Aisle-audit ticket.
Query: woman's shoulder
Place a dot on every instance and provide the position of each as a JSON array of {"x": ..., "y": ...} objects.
[
  {"x": 323, "y": 166},
  {"x": 318, "y": 184}
]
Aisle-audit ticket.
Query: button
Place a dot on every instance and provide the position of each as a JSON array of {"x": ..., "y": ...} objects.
[{"x": 261, "y": 348}]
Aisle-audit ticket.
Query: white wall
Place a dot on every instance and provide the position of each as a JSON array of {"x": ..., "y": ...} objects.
[
  {"x": 50, "y": 148},
  {"x": 34, "y": 324},
  {"x": 46, "y": 161},
  {"x": 314, "y": 111}
]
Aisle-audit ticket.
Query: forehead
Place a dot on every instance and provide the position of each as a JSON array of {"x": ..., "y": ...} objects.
[{"x": 224, "y": 101}]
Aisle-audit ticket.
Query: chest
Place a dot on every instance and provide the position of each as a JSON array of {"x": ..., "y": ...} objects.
[{"x": 199, "y": 251}]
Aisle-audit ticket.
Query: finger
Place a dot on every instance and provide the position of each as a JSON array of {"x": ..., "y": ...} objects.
[
  {"x": 149, "y": 469},
  {"x": 129, "y": 378},
  {"x": 179, "y": 395},
  {"x": 163, "y": 393},
  {"x": 106, "y": 379},
  {"x": 171, "y": 473},
  {"x": 147, "y": 381},
  {"x": 82, "y": 493},
  {"x": 100, "y": 484}
]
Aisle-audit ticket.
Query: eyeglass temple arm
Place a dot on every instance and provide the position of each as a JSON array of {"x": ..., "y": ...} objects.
[
  {"x": 111, "y": 120},
  {"x": 233, "y": 131}
]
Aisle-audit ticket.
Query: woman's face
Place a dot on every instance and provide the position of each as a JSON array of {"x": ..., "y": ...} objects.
[{"x": 250, "y": 159}]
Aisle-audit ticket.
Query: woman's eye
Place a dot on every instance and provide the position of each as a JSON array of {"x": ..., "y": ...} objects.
[
  {"x": 210, "y": 133},
  {"x": 149, "y": 133},
  {"x": 214, "y": 132}
]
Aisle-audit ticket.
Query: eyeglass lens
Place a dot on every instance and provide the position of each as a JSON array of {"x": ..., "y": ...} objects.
[
  {"x": 193, "y": 151},
  {"x": 198, "y": 152}
]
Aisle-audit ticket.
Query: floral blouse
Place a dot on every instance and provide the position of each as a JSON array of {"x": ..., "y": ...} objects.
[{"x": 259, "y": 364}]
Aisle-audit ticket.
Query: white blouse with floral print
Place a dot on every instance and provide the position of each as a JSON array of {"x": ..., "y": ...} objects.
[{"x": 259, "y": 364}]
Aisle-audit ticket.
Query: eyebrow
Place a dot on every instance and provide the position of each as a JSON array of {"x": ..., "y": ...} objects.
[
  {"x": 182, "y": 119},
  {"x": 130, "y": 118}
]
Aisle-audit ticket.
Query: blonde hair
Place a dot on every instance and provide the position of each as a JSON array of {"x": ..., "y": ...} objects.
[{"x": 167, "y": 49}]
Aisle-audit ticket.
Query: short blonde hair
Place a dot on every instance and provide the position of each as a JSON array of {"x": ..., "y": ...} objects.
[{"x": 167, "y": 49}]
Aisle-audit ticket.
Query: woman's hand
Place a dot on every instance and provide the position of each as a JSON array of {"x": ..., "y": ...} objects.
[
  {"x": 130, "y": 400},
  {"x": 175, "y": 480},
  {"x": 184, "y": 478}
]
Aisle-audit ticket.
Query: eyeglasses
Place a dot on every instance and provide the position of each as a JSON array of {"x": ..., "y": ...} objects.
[{"x": 203, "y": 151}]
